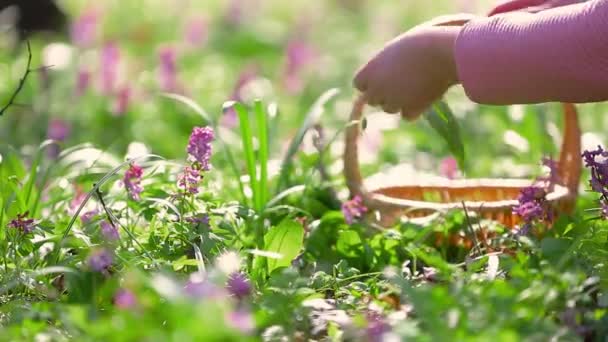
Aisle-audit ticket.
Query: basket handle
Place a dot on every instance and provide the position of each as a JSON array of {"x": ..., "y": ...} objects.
[{"x": 569, "y": 164}]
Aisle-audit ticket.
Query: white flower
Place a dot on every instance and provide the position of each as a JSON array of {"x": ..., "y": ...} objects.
[{"x": 228, "y": 262}]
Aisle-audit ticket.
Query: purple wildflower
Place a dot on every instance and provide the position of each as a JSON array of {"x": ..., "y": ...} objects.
[
  {"x": 238, "y": 285},
  {"x": 58, "y": 130},
  {"x": 376, "y": 327},
  {"x": 122, "y": 100},
  {"x": 298, "y": 54},
  {"x": 242, "y": 320},
  {"x": 353, "y": 209},
  {"x": 25, "y": 225},
  {"x": 125, "y": 299},
  {"x": 196, "y": 32},
  {"x": 100, "y": 260},
  {"x": 109, "y": 231},
  {"x": 188, "y": 180},
  {"x": 597, "y": 162},
  {"x": 167, "y": 71},
  {"x": 84, "y": 28},
  {"x": 132, "y": 181},
  {"x": 532, "y": 207},
  {"x": 199, "y": 146},
  {"x": 110, "y": 58},
  {"x": 199, "y": 220},
  {"x": 88, "y": 216},
  {"x": 83, "y": 80}
]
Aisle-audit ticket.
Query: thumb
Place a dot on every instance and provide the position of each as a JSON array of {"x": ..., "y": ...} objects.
[{"x": 450, "y": 20}]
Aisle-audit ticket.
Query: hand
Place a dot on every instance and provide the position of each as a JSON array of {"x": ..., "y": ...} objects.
[
  {"x": 532, "y": 6},
  {"x": 413, "y": 70}
]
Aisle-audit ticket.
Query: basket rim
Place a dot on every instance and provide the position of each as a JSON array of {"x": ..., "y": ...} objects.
[
  {"x": 559, "y": 193},
  {"x": 376, "y": 182}
]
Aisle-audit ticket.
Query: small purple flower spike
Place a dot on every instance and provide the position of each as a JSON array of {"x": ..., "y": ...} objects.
[
  {"x": 110, "y": 58},
  {"x": 167, "y": 70},
  {"x": 188, "y": 180},
  {"x": 108, "y": 231},
  {"x": 353, "y": 209},
  {"x": 100, "y": 260},
  {"x": 22, "y": 223},
  {"x": 199, "y": 146},
  {"x": 84, "y": 28},
  {"x": 132, "y": 181}
]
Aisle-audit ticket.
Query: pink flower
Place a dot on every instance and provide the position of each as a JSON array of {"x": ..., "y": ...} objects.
[
  {"x": 449, "y": 168},
  {"x": 25, "y": 225},
  {"x": 84, "y": 28},
  {"x": 58, "y": 130},
  {"x": 199, "y": 146},
  {"x": 132, "y": 181},
  {"x": 188, "y": 181},
  {"x": 167, "y": 71},
  {"x": 298, "y": 54},
  {"x": 125, "y": 299},
  {"x": 83, "y": 80},
  {"x": 242, "y": 320},
  {"x": 353, "y": 209},
  {"x": 110, "y": 58},
  {"x": 196, "y": 32},
  {"x": 122, "y": 100},
  {"x": 108, "y": 231}
]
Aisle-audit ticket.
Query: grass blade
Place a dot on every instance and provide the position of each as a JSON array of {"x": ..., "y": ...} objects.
[
  {"x": 262, "y": 126},
  {"x": 247, "y": 139}
]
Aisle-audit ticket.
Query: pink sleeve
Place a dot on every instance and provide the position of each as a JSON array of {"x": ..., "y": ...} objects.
[{"x": 557, "y": 55}]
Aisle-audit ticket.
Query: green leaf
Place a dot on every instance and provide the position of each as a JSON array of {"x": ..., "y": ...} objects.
[
  {"x": 285, "y": 239},
  {"x": 441, "y": 118},
  {"x": 349, "y": 244}
]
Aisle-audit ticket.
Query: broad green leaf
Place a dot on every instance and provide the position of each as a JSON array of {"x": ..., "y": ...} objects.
[
  {"x": 441, "y": 118},
  {"x": 285, "y": 239},
  {"x": 349, "y": 244}
]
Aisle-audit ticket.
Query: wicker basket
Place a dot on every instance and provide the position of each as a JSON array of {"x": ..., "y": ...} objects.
[{"x": 388, "y": 199}]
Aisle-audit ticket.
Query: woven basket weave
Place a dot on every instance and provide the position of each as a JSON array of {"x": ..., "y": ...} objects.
[{"x": 388, "y": 199}]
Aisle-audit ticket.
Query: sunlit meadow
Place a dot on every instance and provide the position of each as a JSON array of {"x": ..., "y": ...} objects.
[{"x": 172, "y": 171}]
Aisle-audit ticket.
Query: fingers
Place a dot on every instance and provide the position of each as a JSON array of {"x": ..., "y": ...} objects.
[{"x": 516, "y": 5}]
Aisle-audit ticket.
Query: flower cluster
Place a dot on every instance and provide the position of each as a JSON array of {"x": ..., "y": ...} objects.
[
  {"x": 100, "y": 260},
  {"x": 199, "y": 152},
  {"x": 109, "y": 231},
  {"x": 22, "y": 223},
  {"x": 533, "y": 205},
  {"x": 597, "y": 162},
  {"x": 199, "y": 146},
  {"x": 132, "y": 181},
  {"x": 353, "y": 209}
]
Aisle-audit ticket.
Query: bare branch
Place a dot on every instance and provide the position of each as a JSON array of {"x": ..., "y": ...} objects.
[{"x": 21, "y": 81}]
